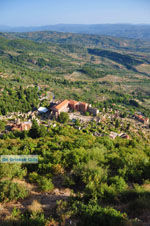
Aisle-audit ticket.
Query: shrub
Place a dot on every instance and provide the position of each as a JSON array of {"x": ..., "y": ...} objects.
[
  {"x": 69, "y": 181},
  {"x": 93, "y": 214},
  {"x": 12, "y": 191},
  {"x": 33, "y": 177},
  {"x": 2, "y": 125},
  {"x": 87, "y": 113},
  {"x": 15, "y": 213},
  {"x": 12, "y": 170},
  {"x": 45, "y": 184},
  {"x": 57, "y": 169},
  {"x": 118, "y": 183},
  {"x": 37, "y": 219},
  {"x": 63, "y": 117}
]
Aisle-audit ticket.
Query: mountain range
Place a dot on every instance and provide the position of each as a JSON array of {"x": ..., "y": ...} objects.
[{"x": 138, "y": 31}]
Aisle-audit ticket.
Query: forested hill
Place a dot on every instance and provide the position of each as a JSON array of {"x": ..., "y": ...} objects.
[
  {"x": 65, "y": 60},
  {"x": 82, "y": 40},
  {"x": 53, "y": 49},
  {"x": 139, "y": 31},
  {"x": 61, "y": 50}
]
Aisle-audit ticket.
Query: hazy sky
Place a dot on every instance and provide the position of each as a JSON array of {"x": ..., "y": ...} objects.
[{"x": 45, "y": 12}]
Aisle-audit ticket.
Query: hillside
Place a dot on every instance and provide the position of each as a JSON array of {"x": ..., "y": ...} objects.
[
  {"x": 66, "y": 59},
  {"x": 83, "y": 40}
]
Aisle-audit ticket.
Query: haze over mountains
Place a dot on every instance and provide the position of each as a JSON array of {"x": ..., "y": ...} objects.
[{"x": 138, "y": 31}]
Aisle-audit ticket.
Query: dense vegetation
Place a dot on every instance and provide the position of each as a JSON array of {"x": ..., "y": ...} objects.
[
  {"x": 105, "y": 172},
  {"x": 125, "y": 60},
  {"x": 18, "y": 100}
]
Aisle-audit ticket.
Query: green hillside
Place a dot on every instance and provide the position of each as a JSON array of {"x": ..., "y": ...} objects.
[
  {"x": 83, "y": 40},
  {"x": 66, "y": 64}
]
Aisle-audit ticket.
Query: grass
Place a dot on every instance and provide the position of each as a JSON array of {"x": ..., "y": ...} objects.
[{"x": 35, "y": 207}]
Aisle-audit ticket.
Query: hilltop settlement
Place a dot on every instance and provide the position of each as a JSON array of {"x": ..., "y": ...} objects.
[{"x": 80, "y": 115}]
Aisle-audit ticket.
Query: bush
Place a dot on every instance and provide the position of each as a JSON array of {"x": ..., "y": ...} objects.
[
  {"x": 15, "y": 213},
  {"x": 33, "y": 177},
  {"x": 118, "y": 183},
  {"x": 95, "y": 215},
  {"x": 87, "y": 113},
  {"x": 12, "y": 170},
  {"x": 63, "y": 117},
  {"x": 2, "y": 125},
  {"x": 12, "y": 191},
  {"x": 69, "y": 181},
  {"x": 57, "y": 169},
  {"x": 45, "y": 184},
  {"x": 35, "y": 130}
]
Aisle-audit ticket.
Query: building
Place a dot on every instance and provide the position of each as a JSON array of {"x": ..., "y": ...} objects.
[
  {"x": 21, "y": 126},
  {"x": 62, "y": 107},
  {"x": 42, "y": 110},
  {"x": 146, "y": 120},
  {"x": 113, "y": 135},
  {"x": 140, "y": 118},
  {"x": 83, "y": 107},
  {"x": 72, "y": 105},
  {"x": 125, "y": 136}
]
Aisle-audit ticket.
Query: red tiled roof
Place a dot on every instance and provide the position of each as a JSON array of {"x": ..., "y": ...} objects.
[
  {"x": 59, "y": 106},
  {"x": 73, "y": 102}
]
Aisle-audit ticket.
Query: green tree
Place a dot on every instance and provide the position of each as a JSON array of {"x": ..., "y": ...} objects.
[
  {"x": 63, "y": 117},
  {"x": 35, "y": 130},
  {"x": 2, "y": 125},
  {"x": 117, "y": 123}
]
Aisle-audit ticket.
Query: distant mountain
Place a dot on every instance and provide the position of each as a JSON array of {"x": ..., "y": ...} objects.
[{"x": 139, "y": 31}]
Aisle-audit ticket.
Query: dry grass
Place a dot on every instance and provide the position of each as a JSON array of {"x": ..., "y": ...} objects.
[
  {"x": 35, "y": 207},
  {"x": 143, "y": 68},
  {"x": 146, "y": 187}
]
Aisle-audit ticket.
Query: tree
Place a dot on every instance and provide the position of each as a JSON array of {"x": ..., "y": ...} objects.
[
  {"x": 77, "y": 122},
  {"x": 117, "y": 123},
  {"x": 134, "y": 103},
  {"x": 128, "y": 126},
  {"x": 42, "y": 131},
  {"x": 2, "y": 125},
  {"x": 63, "y": 117},
  {"x": 35, "y": 130}
]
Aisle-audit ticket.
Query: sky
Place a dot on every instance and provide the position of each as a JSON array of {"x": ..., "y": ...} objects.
[{"x": 48, "y": 12}]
